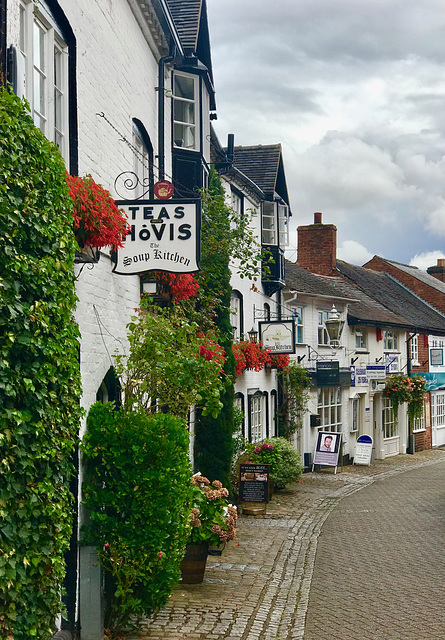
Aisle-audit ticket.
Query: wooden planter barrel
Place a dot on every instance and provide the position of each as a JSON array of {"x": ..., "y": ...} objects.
[{"x": 194, "y": 563}]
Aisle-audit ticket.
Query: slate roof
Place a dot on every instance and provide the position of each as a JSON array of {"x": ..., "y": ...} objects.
[
  {"x": 263, "y": 164},
  {"x": 388, "y": 292},
  {"x": 362, "y": 308},
  {"x": 186, "y": 15},
  {"x": 417, "y": 273}
]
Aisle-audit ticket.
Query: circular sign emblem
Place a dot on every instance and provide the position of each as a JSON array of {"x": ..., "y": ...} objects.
[{"x": 163, "y": 190}]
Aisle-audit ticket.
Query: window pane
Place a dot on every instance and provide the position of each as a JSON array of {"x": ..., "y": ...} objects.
[
  {"x": 184, "y": 87},
  {"x": 39, "y": 47},
  {"x": 184, "y": 112}
]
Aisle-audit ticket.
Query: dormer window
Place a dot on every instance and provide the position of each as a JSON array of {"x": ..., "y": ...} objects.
[
  {"x": 185, "y": 111},
  {"x": 275, "y": 224}
]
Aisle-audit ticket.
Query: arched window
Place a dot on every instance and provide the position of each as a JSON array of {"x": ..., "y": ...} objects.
[
  {"x": 236, "y": 317},
  {"x": 110, "y": 389},
  {"x": 143, "y": 163},
  {"x": 267, "y": 312}
]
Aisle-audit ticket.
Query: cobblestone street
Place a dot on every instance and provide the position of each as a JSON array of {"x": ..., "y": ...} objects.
[{"x": 352, "y": 556}]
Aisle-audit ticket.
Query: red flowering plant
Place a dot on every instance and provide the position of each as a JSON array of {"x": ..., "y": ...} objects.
[
  {"x": 250, "y": 355},
  {"x": 212, "y": 519},
  {"x": 410, "y": 389},
  {"x": 279, "y": 360},
  {"x": 180, "y": 286},
  {"x": 97, "y": 220},
  {"x": 210, "y": 350}
]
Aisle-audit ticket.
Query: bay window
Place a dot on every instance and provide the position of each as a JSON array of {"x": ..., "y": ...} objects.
[{"x": 185, "y": 111}]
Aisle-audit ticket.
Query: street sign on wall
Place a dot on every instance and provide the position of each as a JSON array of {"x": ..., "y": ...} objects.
[{"x": 164, "y": 236}]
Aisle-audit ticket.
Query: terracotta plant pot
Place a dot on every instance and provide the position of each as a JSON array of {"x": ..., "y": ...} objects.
[{"x": 194, "y": 563}]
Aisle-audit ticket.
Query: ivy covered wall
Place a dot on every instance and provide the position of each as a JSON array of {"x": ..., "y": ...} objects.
[{"x": 39, "y": 374}]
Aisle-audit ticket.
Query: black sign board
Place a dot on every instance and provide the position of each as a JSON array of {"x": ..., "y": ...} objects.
[
  {"x": 328, "y": 373},
  {"x": 254, "y": 482}
]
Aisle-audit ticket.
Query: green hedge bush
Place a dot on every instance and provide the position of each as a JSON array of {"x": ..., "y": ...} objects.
[
  {"x": 137, "y": 487},
  {"x": 39, "y": 374}
]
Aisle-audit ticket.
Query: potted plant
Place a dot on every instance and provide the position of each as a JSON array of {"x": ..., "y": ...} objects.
[
  {"x": 98, "y": 222},
  {"x": 212, "y": 521}
]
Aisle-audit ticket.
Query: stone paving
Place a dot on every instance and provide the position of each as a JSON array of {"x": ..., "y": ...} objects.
[{"x": 270, "y": 578}]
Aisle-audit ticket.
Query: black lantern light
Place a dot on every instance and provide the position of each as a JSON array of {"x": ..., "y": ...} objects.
[{"x": 334, "y": 326}]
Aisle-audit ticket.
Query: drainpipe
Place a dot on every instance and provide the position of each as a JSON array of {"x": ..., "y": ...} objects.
[
  {"x": 411, "y": 447},
  {"x": 161, "y": 113}
]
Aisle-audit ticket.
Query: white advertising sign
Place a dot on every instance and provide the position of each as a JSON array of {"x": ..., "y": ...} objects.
[
  {"x": 376, "y": 372},
  {"x": 279, "y": 337},
  {"x": 363, "y": 450},
  {"x": 164, "y": 236}
]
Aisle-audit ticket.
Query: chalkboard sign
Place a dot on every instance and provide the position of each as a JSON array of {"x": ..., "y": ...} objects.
[
  {"x": 328, "y": 373},
  {"x": 254, "y": 482}
]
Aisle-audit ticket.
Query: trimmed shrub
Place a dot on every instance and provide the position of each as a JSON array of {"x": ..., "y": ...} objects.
[
  {"x": 137, "y": 488},
  {"x": 39, "y": 374}
]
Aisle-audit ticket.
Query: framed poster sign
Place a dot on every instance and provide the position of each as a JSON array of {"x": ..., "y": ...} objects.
[
  {"x": 327, "y": 449},
  {"x": 254, "y": 482},
  {"x": 278, "y": 336}
]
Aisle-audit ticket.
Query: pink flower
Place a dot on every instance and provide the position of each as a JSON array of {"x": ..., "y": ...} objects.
[
  {"x": 159, "y": 554},
  {"x": 257, "y": 450}
]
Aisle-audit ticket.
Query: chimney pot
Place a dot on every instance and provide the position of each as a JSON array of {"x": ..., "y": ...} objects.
[
  {"x": 317, "y": 217},
  {"x": 441, "y": 262}
]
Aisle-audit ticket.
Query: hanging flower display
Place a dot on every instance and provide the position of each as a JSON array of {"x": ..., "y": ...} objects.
[
  {"x": 249, "y": 355},
  {"x": 400, "y": 389},
  {"x": 279, "y": 360},
  {"x": 97, "y": 220},
  {"x": 180, "y": 286}
]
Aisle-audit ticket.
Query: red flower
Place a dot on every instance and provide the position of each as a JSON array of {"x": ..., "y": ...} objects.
[{"x": 97, "y": 220}]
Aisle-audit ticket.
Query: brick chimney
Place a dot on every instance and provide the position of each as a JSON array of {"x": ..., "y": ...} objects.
[
  {"x": 317, "y": 247},
  {"x": 439, "y": 270}
]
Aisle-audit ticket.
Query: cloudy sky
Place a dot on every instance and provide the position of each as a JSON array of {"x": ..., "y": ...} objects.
[{"x": 355, "y": 92}]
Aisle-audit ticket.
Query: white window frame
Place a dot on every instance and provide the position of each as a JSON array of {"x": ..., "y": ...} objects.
[
  {"x": 237, "y": 202},
  {"x": 297, "y": 315},
  {"x": 50, "y": 114},
  {"x": 256, "y": 417},
  {"x": 355, "y": 414},
  {"x": 360, "y": 336},
  {"x": 323, "y": 337},
  {"x": 389, "y": 423},
  {"x": 236, "y": 320},
  {"x": 390, "y": 340},
  {"x": 329, "y": 408},
  {"x": 269, "y": 234},
  {"x": 414, "y": 349},
  {"x": 187, "y": 127},
  {"x": 438, "y": 409},
  {"x": 419, "y": 423},
  {"x": 283, "y": 225}
]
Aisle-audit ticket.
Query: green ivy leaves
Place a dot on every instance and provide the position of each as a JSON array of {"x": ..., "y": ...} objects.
[{"x": 39, "y": 374}]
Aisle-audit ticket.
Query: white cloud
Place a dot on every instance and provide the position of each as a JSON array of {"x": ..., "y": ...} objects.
[
  {"x": 355, "y": 92},
  {"x": 425, "y": 260},
  {"x": 353, "y": 252}
]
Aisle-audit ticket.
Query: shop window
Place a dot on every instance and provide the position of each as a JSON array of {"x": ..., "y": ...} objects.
[
  {"x": 388, "y": 419},
  {"x": 185, "y": 111},
  {"x": 419, "y": 423},
  {"x": 329, "y": 408},
  {"x": 355, "y": 414},
  {"x": 45, "y": 60}
]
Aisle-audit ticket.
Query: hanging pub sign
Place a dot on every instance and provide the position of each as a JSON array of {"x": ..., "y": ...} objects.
[
  {"x": 278, "y": 336},
  {"x": 163, "y": 236}
]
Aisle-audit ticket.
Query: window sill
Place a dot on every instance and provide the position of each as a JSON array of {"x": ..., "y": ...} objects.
[{"x": 419, "y": 430}]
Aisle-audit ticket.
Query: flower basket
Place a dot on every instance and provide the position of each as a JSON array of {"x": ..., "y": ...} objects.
[
  {"x": 410, "y": 389},
  {"x": 97, "y": 220}
]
